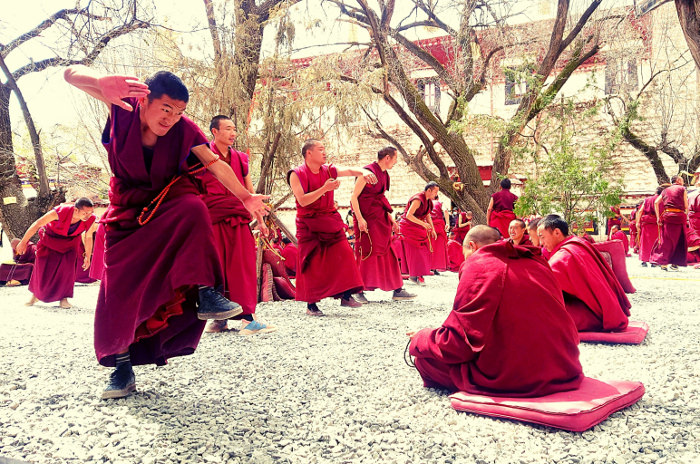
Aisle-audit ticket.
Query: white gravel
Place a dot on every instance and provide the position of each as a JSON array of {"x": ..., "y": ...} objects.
[{"x": 331, "y": 390}]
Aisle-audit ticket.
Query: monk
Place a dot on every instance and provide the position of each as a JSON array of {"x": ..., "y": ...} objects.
[
  {"x": 516, "y": 233},
  {"x": 233, "y": 238},
  {"x": 508, "y": 312},
  {"x": 464, "y": 223},
  {"x": 455, "y": 253},
  {"x": 634, "y": 243},
  {"x": 326, "y": 263},
  {"x": 161, "y": 264},
  {"x": 616, "y": 220},
  {"x": 646, "y": 225},
  {"x": 438, "y": 258},
  {"x": 694, "y": 220},
  {"x": 97, "y": 267},
  {"x": 532, "y": 232},
  {"x": 500, "y": 210},
  {"x": 375, "y": 257},
  {"x": 617, "y": 234},
  {"x": 290, "y": 253},
  {"x": 418, "y": 232},
  {"x": 592, "y": 294},
  {"x": 672, "y": 245},
  {"x": 84, "y": 276},
  {"x": 20, "y": 270},
  {"x": 58, "y": 251}
]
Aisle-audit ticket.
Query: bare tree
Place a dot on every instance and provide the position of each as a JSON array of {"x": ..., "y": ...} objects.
[{"x": 80, "y": 34}]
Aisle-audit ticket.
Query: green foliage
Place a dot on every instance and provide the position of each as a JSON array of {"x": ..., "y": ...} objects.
[{"x": 577, "y": 182}]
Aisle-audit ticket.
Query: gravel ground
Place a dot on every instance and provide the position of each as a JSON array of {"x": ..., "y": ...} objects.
[{"x": 330, "y": 390}]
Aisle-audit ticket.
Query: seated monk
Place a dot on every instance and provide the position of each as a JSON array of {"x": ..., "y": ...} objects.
[
  {"x": 20, "y": 270},
  {"x": 508, "y": 312},
  {"x": 289, "y": 253},
  {"x": 593, "y": 295},
  {"x": 516, "y": 232},
  {"x": 454, "y": 253},
  {"x": 617, "y": 234}
]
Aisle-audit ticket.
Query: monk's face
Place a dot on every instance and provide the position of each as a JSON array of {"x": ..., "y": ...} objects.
[
  {"x": 160, "y": 114},
  {"x": 550, "y": 238},
  {"x": 515, "y": 231},
  {"x": 226, "y": 133},
  {"x": 83, "y": 213},
  {"x": 391, "y": 160},
  {"x": 316, "y": 154},
  {"x": 534, "y": 238},
  {"x": 432, "y": 193}
]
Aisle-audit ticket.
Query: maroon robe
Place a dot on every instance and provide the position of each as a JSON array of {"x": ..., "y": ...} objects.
[
  {"x": 508, "y": 333},
  {"x": 83, "y": 275},
  {"x": 148, "y": 293},
  {"x": 672, "y": 246},
  {"x": 694, "y": 219},
  {"x": 290, "y": 253},
  {"x": 233, "y": 239},
  {"x": 633, "y": 230},
  {"x": 592, "y": 294},
  {"x": 379, "y": 266},
  {"x": 97, "y": 267},
  {"x": 326, "y": 263},
  {"x": 616, "y": 220},
  {"x": 502, "y": 211},
  {"x": 22, "y": 268},
  {"x": 461, "y": 232},
  {"x": 648, "y": 229},
  {"x": 621, "y": 236},
  {"x": 416, "y": 240},
  {"x": 456, "y": 254},
  {"x": 439, "y": 258},
  {"x": 57, "y": 252}
]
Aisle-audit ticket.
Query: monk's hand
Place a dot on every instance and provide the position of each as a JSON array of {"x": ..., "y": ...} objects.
[
  {"x": 114, "y": 88},
  {"x": 433, "y": 234},
  {"x": 369, "y": 176},
  {"x": 257, "y": 206},
  {"x": 362, "y": 224},
  {"x": 331, "y": 184},
  {"x": 86, "y": 263},
  {"x": 263, "y": 228},
  {"x": 395, "y": 227},
  {"x": 21, "y": 247}
]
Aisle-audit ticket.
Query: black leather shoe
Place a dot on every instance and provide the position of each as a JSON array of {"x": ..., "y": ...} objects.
[
  {"x": 213, "y": 305},
  {"x": 121, "y": 382}
]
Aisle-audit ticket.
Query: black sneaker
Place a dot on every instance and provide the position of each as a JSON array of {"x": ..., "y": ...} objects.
[
  {"x": 644, "y": 264},
  {"x": 213, "y": 305},
  {"x": 121, "y": 382},
  {"x": 435, "y": 272}
]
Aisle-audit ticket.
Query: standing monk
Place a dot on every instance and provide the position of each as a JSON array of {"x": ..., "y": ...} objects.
[
  {"x": 508, "y": 312},
  {"x": 374, "y": 222},
  {"x": 648, "y": 231},
  {"x": 593, "y": 296},
  {"x": 462, "y": 226},
  {"x": 326, "y": 263},
  {"x": 439, "y": 259},
  {"x": 230, "y": 222},
  {"x": 418, "y": 232},
  {"x": 500, "y": 210},
  {"x": 672, "y": 246},
  {"x": 58, "y": 251},
  {"x": 160, "y": 263},
  {"x": 694, "y": 219}
]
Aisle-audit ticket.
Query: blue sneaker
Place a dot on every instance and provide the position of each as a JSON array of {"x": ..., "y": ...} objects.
[{"x": 255, "y": 327}]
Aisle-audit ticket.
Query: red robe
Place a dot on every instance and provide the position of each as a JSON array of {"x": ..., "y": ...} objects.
[
  {"x": 694, "y": 219},
  {"x": 672, "y": 246},
  {"x": 502, "y": 212},
  {"x": 57, "y": 253},
  {"x": 508, "y": 333},
  {"x": 648, "y": 229},
  {"x": 593, "y": 295},
  {"x": 379, "y": 266},
  {"x": 22, "y": 268},
  {"x": 83, "y": 275},
  {"x": 621, "y": 236},
  {"x": 326, "y": 263},
  {"x": 616, "y": 220},
  {"x": 97, "y": 267},
  {"x": 290, "y": 253},
  {"x": 148, "y": 293},
  {"x": 456, "y": 254},
  {"x": 232, "y": 236},
  {"x": 633, "y": 230},
  {"x": 416, "y": 240},
  {"x": 439, "y": 258},
  {"x": 461, "y": 232}
]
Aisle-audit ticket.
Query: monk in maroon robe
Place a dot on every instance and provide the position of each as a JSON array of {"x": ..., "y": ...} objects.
[
  {"x": 646, "y": 225},
  {"x": 20, "y": 271},
  {"x": 439, "y": 259},
  {"x": 97, "y": 267},
  {"x": 516, "y": 233},
  {"x": 500, "y": 210},
  {"x": 233, "y": 238},
  {"x": 532, "y": 232},
  {"x": 58, "y": 251},
  {"x": 593, "y": 296},
  {"x": 374, "y": 223},
  {"x": 694, "y": 221},
  {"x": 82, "y": 275},
  {"x": 462, "y": 226},
  {"x": 508, "y": 333},
  {"x": 617, "y": 234},
  {"x": 326, "y": 263},
  {"x": 615, "y": 220},
  {"x": 290, "y": 253},
  {"x": 634, "y": 231},
  {"x": 161, "y": 267},
  {"x": 418, "y": 233},
  {"x": 672, "y": 246}
]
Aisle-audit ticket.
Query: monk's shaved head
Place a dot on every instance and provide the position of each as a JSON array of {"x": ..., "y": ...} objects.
[{"x": 482, "y": 235}]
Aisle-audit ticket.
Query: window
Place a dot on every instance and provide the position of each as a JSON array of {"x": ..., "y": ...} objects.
[
  {"x": 516, "y": 87},
  {"x": 621, "y": 75},
  {"x": 430, "y": 91}
]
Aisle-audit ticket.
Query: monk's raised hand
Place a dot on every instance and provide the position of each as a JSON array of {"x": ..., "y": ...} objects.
[
  {"x": 114, "y": 88},
  {"x": 21, "y": 247}
]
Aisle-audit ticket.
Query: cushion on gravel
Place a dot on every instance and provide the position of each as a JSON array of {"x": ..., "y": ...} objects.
[
  {"x": 619, "y": 264},
  {"x": 575, "y": 410},
  {"x": 634, "y": 334}
]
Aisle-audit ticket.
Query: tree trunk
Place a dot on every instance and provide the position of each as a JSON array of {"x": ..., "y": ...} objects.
[{"x": 688, "y": 15}]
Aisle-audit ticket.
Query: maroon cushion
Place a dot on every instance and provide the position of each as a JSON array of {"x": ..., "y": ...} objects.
[
  {"x": 619, "y": 265},
  {"x": 576, "y": 410},
  {"x": 285, "y": 289},
  {"x": 634, "y": 334},
  {"x": 275, "y": 262}
]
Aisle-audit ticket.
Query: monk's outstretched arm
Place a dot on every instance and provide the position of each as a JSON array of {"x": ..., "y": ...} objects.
[
  {"x": 107, "y": 88},
  {"x": 368, "y": 175},
  {"x": 88, "y": 243},
  {"x": 306, "y": 199},
  {"x": 359, "y": 186},
  {"x": 488, "y": 212},
  {"x": 34, "y": 228}
]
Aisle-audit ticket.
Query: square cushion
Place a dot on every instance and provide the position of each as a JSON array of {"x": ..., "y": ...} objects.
[
  {"x": 575, "y": 410},
  {"x": 634, "y": 334}
]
